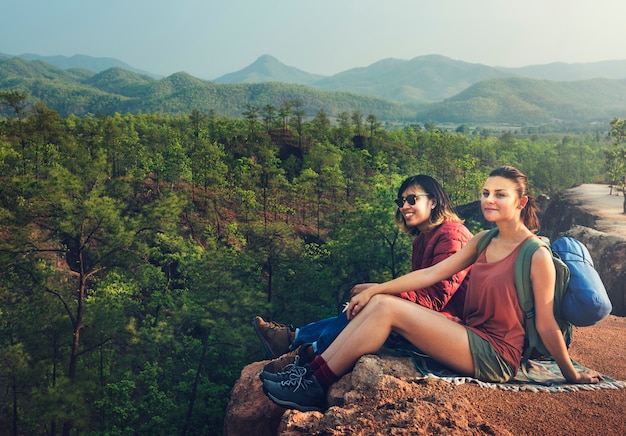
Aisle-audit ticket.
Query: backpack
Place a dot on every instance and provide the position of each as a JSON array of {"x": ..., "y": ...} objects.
[
  {"x": 586, "y": 301},
  {"x": 533, "y": 346}
]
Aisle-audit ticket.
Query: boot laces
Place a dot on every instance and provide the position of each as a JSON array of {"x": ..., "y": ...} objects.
[
  {"x": 277, "y": 326},
  {"x": 297, "y": 379},
  {"x": 288, "y": 369}
]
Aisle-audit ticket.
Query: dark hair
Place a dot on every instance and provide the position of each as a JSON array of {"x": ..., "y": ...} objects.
[
  {"x": 529, "y": 212},
  {"x": 443, "y": 211}
]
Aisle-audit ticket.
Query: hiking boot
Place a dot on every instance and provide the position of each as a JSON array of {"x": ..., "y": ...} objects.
[
  {"x": 290, "y": 371},
  {"x": 303, "y": 392},
  {"x": 274, "y": 337},
  {"x": 286, "y": 363},
  {"x": 282, "y": 363}
]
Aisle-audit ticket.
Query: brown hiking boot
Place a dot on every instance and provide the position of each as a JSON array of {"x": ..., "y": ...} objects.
[
  {"x": 274, "y": 337},
  {"x": 281, "y": 367},
  {"x": 283, "y": 362}
]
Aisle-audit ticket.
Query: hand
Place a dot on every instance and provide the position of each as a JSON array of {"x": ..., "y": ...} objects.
[
  {"x": 588, "y": 376},
  {"x": 357, "y": 289},
  {"x": 357, "y": 303}
]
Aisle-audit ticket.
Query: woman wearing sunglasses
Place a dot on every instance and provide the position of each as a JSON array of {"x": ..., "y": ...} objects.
[
  {"x": 424, "y": 211},
  {"x": 487, "y": 343}
]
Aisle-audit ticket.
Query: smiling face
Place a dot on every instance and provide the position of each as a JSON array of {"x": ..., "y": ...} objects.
[
  {"x": 501, "y": 200},
  {"x": 418, "y": 214}
]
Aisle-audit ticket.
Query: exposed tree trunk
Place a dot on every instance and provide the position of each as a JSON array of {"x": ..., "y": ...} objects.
[
  {"x": 78, "y": 326},
  {"x": 14, "y": 393},
  {"x": 196, "y": 382}
]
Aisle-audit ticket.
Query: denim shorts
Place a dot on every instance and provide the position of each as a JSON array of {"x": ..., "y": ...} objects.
[{"x": 489, "y": 366}]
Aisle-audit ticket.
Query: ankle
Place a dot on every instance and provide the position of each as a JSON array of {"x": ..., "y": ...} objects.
[
  {"x": 325, "y": 376},
  {"x": 317, "y": 362}
]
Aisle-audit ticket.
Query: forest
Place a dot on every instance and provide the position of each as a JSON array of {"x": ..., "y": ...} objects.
[{"x": 137, "y": 248}]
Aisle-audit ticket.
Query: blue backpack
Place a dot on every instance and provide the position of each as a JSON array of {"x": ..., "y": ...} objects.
[
  {"x": 579, "y": 295},
  {"x": 585, "y": 301}
]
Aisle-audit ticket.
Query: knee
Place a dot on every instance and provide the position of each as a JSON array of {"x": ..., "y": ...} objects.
[
  {"x": 382, "y": 303},
  {"x": 381, "y": 298}
]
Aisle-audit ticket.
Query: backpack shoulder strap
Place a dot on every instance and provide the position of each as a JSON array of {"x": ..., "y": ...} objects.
[
  {"x": 524, "y": 290},
  {"x": 485, "y": 240},
  {"x": 522, "y": 271}
]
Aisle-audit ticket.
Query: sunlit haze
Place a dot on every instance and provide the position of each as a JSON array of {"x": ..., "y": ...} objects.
[{"x": 210, "y": 38}]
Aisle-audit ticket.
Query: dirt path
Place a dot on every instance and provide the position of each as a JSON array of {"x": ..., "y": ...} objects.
[{"x": 596, "y": 199}]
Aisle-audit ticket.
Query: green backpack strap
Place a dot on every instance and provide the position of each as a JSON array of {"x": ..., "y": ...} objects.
[
  {"x": 524, "y": 290},
  {"x": 485, "y": 240},
  {"x": 525, "y": 295}
]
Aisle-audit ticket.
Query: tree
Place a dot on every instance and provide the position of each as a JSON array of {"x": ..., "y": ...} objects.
[
  {"x": 618, "y": 130},
  {"x": 357, "y": 122},
  {"x": 325, "y": 160},
  {"x": 77, "y": 233},
  {"x": 343, "y": 130},
  {"x": 616, "y": 159},
  {"x": 284, "y": 113},
  {"x": 93, "y": 235},
  {"x": 298, "y": 113},
  {"x": 197, "y": 120},
  {"x": 251, "y": 114},
  {"x": 17, "y": 101},
  {"x": 374, "y": 125},
  {"x": 269, "y": 116},
  {"x": 320, "y": 126}
]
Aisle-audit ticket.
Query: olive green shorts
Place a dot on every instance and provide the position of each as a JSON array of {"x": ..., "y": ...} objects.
[{"x": 489, "y": 366}]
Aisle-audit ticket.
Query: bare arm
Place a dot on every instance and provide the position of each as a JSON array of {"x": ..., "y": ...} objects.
[
  {"x": 417, "y": 279},
  {"x": 543, "y": 277},
  {"x": 358, "y": 288}
]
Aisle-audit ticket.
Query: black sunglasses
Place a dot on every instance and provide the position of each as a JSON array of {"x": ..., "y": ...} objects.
[{"x": 411, "y": 199}]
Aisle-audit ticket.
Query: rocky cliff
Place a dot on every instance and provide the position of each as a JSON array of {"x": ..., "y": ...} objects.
[
  {"x": 383, "y": 394},
  {"x": 595, "y": 218}
]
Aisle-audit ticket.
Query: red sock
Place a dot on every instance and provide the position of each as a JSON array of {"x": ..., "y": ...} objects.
[
  {"x": 317, "y": 362},
  {"x": 325, "y": 376}
]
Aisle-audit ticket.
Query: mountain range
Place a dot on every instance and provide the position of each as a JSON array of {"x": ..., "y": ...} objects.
[
  {"x": 81, "y": 62},
  {"x": 423, "y": 79},
  {"x": 430, "y": 88}
]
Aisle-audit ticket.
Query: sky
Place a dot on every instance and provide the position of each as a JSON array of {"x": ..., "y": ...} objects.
[{"x": 210, "y": 38}]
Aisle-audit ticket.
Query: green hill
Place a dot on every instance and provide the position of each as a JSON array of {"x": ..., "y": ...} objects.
[
  {"x": 118, "y": 90},
  {"x": 119, "y": 81},
  {"x": 422, "y": 79},
  {"x": 492, "y": 100},
  {"x": 519, "y": 101},
  {"x": 269, "y": 69}
]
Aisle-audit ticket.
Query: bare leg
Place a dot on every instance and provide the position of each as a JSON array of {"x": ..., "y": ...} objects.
[{"x": 443, "y": 339}]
